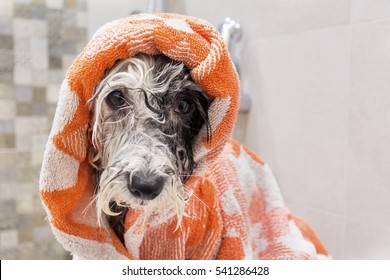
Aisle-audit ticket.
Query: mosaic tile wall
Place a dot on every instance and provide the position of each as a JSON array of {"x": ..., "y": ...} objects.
[{"x": 38, "y": 41}]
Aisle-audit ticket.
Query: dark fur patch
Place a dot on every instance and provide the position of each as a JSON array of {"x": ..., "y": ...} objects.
[{"x": 179, "y": 129}]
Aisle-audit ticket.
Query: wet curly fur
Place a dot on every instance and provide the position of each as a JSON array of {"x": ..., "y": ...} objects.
[{"x": 146, "y": 114}]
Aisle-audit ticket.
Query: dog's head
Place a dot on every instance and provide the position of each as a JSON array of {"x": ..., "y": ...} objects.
[{"x": 146, "y": 114}]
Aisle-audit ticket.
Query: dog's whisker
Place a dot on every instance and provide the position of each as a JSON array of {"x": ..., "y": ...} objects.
[
  {"x": 202, "y": 202},
  {"x": 142, "y": 139},
  {"x": 89, "y": 205}
]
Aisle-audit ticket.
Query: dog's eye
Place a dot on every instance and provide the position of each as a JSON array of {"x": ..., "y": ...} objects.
[
  {"x": 183, "y": 106},
  {"x": 116, "y": 100}
]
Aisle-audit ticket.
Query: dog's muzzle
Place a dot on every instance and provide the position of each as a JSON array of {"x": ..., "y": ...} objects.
[{"x": 145, "y": 186}]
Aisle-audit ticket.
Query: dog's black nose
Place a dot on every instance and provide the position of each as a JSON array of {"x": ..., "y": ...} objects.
[{"x": 146, "y": 187}]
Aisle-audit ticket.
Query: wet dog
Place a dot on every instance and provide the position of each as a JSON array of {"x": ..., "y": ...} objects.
[{"x": 146, "y": 113}]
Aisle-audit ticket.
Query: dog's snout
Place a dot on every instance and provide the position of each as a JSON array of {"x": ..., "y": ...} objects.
[{"x": 146, "y": 187}]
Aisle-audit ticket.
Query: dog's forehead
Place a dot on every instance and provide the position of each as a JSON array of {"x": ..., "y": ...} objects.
[{"x": 156, "y": 75}]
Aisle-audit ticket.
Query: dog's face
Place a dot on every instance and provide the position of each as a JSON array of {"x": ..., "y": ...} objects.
[{"x": 146, "y": 114}]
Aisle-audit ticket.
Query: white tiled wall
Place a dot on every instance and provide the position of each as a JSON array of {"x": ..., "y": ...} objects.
[
  {"x": 318, "y": 74},
  {"x": 38, "y": 38}
]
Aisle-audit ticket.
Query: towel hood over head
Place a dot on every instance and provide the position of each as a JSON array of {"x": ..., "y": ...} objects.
[{"x": 67, "y": 183}]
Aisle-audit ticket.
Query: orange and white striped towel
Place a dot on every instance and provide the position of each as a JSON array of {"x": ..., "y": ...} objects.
[{"x": 235, "y": 209}]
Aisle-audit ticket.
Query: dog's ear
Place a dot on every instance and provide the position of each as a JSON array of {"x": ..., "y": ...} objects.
[
  {"x": 93, "y": 151},
  {"x": 205, "y": 102},
  {"x": 202, "y": 103}
]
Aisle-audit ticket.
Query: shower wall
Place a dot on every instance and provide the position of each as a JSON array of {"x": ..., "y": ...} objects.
[
  {"x": 318, "y": 74},
  {"x": 38, "y": 41}
]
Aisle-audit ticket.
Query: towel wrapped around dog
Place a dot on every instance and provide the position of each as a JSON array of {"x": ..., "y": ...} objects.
[{"x": 235, "y": 209}]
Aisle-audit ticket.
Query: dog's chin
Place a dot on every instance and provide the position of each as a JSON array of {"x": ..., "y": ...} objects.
[{"x": 169, "y": 203}]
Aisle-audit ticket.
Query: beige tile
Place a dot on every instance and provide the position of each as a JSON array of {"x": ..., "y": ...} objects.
[
  {"x": 38, "y": 148},
  {"x": 366, "y": 242},
  {"x": 70, "y": 4},
  {"x": 118, "y": 8},
  {"x": 40, "y": 77},
  {"x": 22, "y": 28},
  {"x": 23, "y": 94},
  {"x": 7, "y": 141},
  {"x": 362, "y": 10},
  {"x": 7, "y": 92},
  {"x": 8, "y": 239},
  {"x": 15, "y": 158},
  {"x": 261, "y": 18},
  {"x": 24, "y": 1},
  {"x": 52, "y": 93},
  {"x": 6, "y": 126},
  {"x": 299, "y": 88},
  {"x": 7, "y": 109},
  {"x": 55, "y": 77},
  {"x": 25, "y": 235},
  {"x": 39, "y": 27},
  {"x": 54, "y": 4},
  {"x": 24, "y": 204},
  {"x": 67, "y": 61},
  {"x": 82, "y": 19},
  {"x": 22, "y": 47},
  {"x": 11, "y": 190},
  {"x": 329, "y": 228},
  {"x": 369, "y": 121},
  {"x": 239, "y": 132},
  {"x": 39, "y": 53},
  {"x": 266, "y": 128},
  {"x": 26, "y": 250},
  {"x": 24, "y": 109},
  {"x": 22, "y": 75},
  {"x": 26, "y": 127},
  {"x": 6, "y": 9}
]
